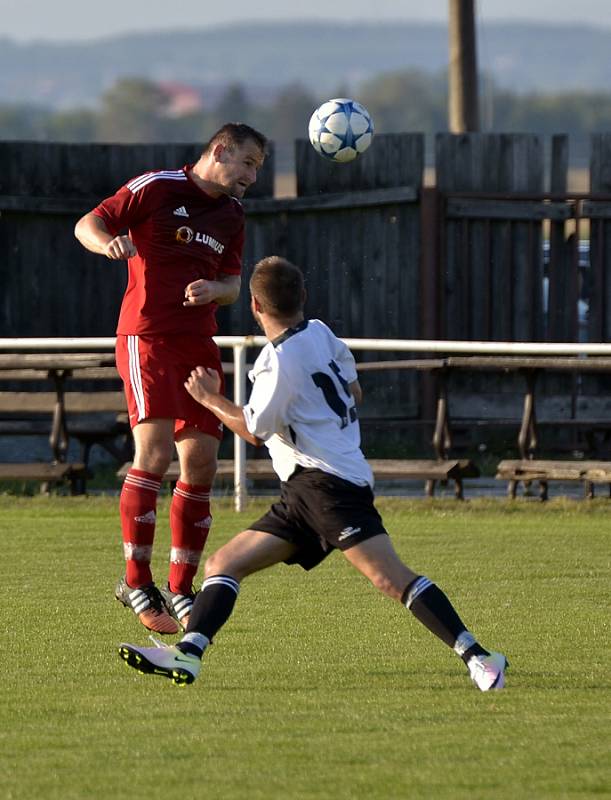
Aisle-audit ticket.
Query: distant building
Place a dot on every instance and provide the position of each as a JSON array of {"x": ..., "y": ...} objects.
[{"x": 182, "y": 99}]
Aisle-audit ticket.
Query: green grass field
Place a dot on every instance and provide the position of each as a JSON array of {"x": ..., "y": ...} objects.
[{"x": 317, "y": 687}]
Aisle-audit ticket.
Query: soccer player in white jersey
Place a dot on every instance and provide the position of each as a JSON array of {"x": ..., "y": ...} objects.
[{"x": 302, "y": 407}]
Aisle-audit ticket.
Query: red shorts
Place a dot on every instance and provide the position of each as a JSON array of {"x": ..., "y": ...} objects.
[{"x": 154, "y": 370}]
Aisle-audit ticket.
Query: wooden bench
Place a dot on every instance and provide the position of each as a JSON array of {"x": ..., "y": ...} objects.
[
  {"x": 531, "y": 367},
  {"x": 90, "y": 416},
  {"x": 256, "y": 469},
  {"x": 443, "y": 467},
  {"x": 74, "y": 473},
  {"x": 530, "y": 470},
  {"x": 429, "y": 470}
]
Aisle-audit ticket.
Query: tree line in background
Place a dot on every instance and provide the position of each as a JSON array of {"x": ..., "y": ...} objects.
[{"x": 138, "y": 110}]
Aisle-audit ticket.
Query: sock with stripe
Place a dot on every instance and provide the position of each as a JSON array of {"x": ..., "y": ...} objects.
[
  {"x": 190, "y": 522},
  {"x": 138, "y": 512},
  {"x": 432, "y": 608},
  {"x": 211, "y": 610}
]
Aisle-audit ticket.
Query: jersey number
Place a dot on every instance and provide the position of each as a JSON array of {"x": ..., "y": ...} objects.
[{"x": 327, "y": 386}]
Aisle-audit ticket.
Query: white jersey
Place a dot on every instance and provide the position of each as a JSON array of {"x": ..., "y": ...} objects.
[{"x": 301, "y": 407}]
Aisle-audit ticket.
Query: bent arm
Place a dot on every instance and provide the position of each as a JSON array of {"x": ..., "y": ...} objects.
[
  {"x": 203, "y": 385},
  {"x": 231, "y": 416},
  {"x": 229, "y": 290},
  {"x": 223, "y": 292},
  {"x": 92, "y": 233}
]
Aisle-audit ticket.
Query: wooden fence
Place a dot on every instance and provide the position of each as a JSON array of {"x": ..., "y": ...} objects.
[
  {"x": 383, "y": 256},
  {"x": 360, "y": 232}
]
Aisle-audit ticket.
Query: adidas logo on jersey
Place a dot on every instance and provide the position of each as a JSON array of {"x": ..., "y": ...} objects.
[
  {"x": 180, "y": 212},
  {"x": 149, "y": 518}
]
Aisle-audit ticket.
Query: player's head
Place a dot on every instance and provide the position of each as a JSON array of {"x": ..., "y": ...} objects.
[
  {"x": 231, "y": 159},
  {"x": 277, "y": 288},
  {"x": 236, "y": 134}
]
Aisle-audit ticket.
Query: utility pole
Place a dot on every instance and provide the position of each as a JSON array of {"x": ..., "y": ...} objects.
[{"x": 463, "y": 85}]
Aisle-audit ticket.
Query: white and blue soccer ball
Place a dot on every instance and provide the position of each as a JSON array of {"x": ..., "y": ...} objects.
[{"x": 340, "y": 129}]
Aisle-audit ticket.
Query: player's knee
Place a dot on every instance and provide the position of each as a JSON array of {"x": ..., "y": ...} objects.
[
  {"x": 199, "y": 471},
  {"x": 155, "y": 463},
  {"x": 154, "y": 457},
  {"x": 383, "y": 582},
  {"x": 217, "y": 564}
]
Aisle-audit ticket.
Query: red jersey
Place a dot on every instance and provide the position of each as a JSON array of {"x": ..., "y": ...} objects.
[{"x": 181, "y": 234}]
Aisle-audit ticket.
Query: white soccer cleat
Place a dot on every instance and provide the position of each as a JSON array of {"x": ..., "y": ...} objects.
[
  {"x": 488, "y": 672},
  {"x": 165, "y": 660}
]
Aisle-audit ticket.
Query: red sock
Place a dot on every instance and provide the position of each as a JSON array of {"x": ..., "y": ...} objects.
[
  {"x": 138, "y": 506},
  {"x": 190, "y": 522}
]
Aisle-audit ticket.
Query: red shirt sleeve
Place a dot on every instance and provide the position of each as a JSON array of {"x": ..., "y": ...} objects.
[{"x": 123, "y": 210}]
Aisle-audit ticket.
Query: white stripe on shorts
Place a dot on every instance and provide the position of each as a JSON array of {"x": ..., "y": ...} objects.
[{"x": 135, "y": 376}]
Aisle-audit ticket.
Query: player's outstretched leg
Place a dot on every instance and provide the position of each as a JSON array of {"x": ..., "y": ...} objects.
[
  {"x": 377, "y": 559},
  {"x": 433, "y": 609}
]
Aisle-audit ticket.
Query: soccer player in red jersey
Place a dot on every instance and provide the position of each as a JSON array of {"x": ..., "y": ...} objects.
[{"x": 182, "y": 234}]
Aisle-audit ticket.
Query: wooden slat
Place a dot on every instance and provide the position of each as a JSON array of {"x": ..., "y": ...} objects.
[
  {"x": 551, "y": 463},
  {"x": 75, "y": 402},
  {"x": 382, "y": 468},
  {"x": 23, "y": 374},
  {"x": 255, "y": 468},
  {"x": 596, "y": 209},
  {"x": 40, "y": 472},
  {"x": 27, "y": 402},
  {"x": 507, "y": 209},
  {"x": 577, "y": 364},
  {"x": 94, "y": 374},
  {"x": 549, "y": 470},
  {"x": 411, "y": 363},
  {"x": 55, "y": 360},
  {"x": 85, "y": 402},
  {"x": 25, "y": 427},
  {"x": 46, "y": 205},
  {"x": 335, "y": 201},
  {"x": 415, "y": 469}
]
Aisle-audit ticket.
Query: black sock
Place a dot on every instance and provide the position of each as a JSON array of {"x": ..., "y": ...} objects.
[
  {"x": 211, "y": 609},
  {"x": 433, "y": 609}
]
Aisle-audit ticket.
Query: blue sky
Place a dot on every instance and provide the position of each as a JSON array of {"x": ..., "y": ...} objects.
[{"x": 26, "y": 20}]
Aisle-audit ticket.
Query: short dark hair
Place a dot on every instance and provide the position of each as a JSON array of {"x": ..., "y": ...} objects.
[
  {"x": 236, "y": 134},
  {"x": 278, "y": 286}
]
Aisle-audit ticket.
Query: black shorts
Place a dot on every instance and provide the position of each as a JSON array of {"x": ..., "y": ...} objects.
[{"x": 320, "y": 512}]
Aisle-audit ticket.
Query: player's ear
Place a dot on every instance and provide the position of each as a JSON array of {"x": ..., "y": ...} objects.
[{"x": 218, "y": 151}]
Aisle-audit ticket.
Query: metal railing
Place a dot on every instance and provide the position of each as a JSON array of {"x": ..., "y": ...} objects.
[{"x": 241, "y": 344}]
